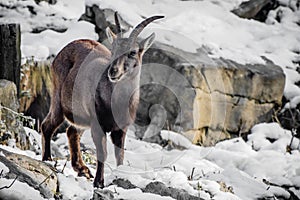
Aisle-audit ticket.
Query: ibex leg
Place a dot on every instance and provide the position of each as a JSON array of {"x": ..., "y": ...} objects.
[
  {"x": 118, "y": 139},
  {"x": 49, "y": 125},
  {"x": 99, "y": 138},
  {"x": 78, "y": 165}
]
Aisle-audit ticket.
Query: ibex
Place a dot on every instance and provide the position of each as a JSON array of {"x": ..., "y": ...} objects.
[{"x": 97, "y": 88}]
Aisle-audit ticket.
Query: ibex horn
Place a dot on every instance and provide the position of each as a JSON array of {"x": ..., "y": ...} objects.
[
  {"x": 118, "y": 24},
  {"x": 138, "y": 29}
]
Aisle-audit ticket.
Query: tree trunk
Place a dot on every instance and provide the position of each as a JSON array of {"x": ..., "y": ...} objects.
[{"x": 10, "y": 53}]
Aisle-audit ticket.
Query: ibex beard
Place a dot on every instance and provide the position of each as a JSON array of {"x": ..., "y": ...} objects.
[{"x": 97, "y": 88}]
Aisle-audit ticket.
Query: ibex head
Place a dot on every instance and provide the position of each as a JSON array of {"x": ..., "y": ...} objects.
[{"x": 127, "y": 53}]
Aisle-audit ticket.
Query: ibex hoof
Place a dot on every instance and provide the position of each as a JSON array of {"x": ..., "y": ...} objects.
[
  {"x": 46, "y": 158},
  {"x": 99, "y": 184},
  {"x": 85, "y": 172}
]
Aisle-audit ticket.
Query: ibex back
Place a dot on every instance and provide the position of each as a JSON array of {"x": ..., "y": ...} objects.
[{"x": 97, "y": 88}]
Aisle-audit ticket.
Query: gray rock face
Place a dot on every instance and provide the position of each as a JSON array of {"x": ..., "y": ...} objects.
[
  {"x": 256, "y": 9},
  {"x": 207, "y": 99},
  {"x": 102, "y": 18},
  {"x": 11, "y": 127},
  {"x": 161, "y": 189},
  {"x": 100, "y": 194},
  {"x": 156, "y": 187}
]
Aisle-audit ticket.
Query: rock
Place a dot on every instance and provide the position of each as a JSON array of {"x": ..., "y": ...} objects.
[
  {"x": 156, "y": 188},
  {"x": 100, "y": 194},
  {"x": 102, "y": 18},
  {"x": 126, "y": 184},
  {"x": 161, "y": 189},
  {"x": 235, "y": 97},
  {"x": 103, "y": 194},
  {"x": 208, "y": 100},
  {"x": 11, "y": 126},
  {"x": 256, "y": 9},
  {"x": 36, "y": 174},
  {"x": 8, "y": 94},
  {"x": 48, "y": 1}
]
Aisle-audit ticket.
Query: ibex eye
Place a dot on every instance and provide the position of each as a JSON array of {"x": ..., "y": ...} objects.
[{"x": 132, "y": 54}]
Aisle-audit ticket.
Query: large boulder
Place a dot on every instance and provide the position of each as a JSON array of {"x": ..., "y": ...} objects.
[
  {"x": 206, "y": 99},
  {"x": 234, "y": 98}
]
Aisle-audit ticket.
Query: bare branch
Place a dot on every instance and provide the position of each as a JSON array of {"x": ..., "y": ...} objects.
[
  {"x": 46, "y": 178},
  {"x": 62, "y": 171},
  {"x": 7, "y": 187}
]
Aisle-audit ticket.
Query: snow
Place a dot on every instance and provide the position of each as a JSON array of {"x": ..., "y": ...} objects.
[
  {"x": 50, "y": 42},
  {"x": 176, "y": 138},
  {"x": 136, "y": 194},
  {"x": 4, "y": 168},
  {"x": 62, "y": 15},
  {"x": 74, "y": 187},
  {"x": 242, "y": 166},
  {"x": 18, "y": 190},
  {"x": 263, "y": 133}
]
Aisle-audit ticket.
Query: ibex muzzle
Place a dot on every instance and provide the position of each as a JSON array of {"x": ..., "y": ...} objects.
[
  {"x": 96, "y": 109},
  {"x": 127, "y": 52}
]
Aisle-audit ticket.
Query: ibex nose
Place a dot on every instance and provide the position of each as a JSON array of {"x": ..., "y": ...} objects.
[{"x": 113, "y": 71}]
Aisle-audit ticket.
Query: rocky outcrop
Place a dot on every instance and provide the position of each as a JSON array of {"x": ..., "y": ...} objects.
[
  {"x": 11, "y": 126},
  {"x": 256, "y": 9},
  {"x": 102, "y": 18},
  {"x": 156, "y": 187},
  {"x": 161, "y": 189},
  {"x": 36, "y": 174},
  {"x": 48, "y": 1},
  {"x": 207, "y": 99}
]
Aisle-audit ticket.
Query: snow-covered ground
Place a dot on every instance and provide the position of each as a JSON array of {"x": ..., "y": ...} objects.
[{"x": 250, "y": 170}]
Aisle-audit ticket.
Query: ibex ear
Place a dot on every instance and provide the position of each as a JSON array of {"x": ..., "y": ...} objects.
[
  {"x": 146, "y": 43},
  {"x": 110, "y": 35}
]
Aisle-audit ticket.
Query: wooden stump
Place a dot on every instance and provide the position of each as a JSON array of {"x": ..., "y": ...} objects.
[{"x": 10, "y": 53}]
